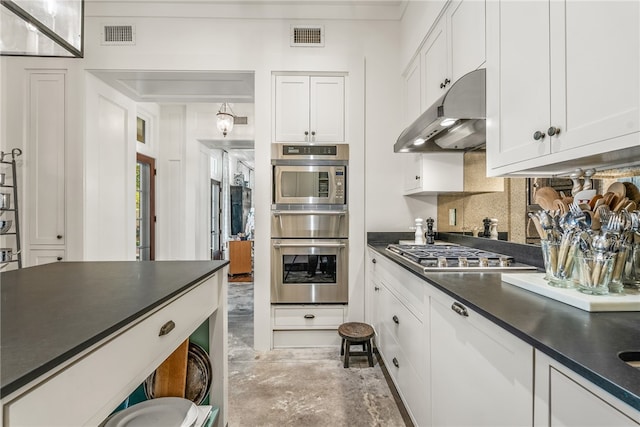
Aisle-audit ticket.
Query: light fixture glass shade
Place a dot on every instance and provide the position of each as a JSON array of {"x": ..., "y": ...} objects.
[
  {"x": 224, "y": 119},
  {"x": 41, "y": 28}
]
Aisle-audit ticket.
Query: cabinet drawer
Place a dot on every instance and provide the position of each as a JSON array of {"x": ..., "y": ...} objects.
[
  {"x": 407, "y": 330},
  {"x": 308, "y": 317},
  {"x": 411, "y": 387},
  {"x": 103, "y": 377},
  {"x": 408, "y": 288}
]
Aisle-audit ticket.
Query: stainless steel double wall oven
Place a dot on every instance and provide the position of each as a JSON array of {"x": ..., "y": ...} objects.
[{"x": 309, "y": 224}]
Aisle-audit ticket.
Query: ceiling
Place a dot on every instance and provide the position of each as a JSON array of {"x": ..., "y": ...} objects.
[
  {"x": 187, "y": 87},
  {"x": 181, "y": 86}
]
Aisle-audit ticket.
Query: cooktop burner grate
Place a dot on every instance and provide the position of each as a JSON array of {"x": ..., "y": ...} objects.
[{"x": 454, "y": 258}]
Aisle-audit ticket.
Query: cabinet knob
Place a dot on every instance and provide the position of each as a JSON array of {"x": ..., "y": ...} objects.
[
  {"x": 376, "y": 288},
  {"x": 313, "y": 133},
  {"x": 538, "y": 135},
  {"x": 309, "y": 316},
  {"x": 395, "y": 320},
  {"x": 374, "y": 260},
  {"x": 59, "y": 258},
  {"x": 306, "y": 133},
  {"x": 395, "y": 362},
  {"x": 59, "y": 236},
  {"x": 553, "y": 131},
  {"x": 444, "y": 83},
  {"x": 417, "y": 177},
  {"x": 460, "y": 309}
]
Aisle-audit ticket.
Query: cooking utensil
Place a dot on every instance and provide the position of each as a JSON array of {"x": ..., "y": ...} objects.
[
  {"x": 618, "y": 189},
  {"x": 198, "y": 376},
  {"x": 584, "y": 196},
  {"x": 594, "y": 200},
  {"x": 6, "y": 254},
  {"x": 545, "y": 196},
  {"x": 5, "y": 225},
  {"x": 632, "y": 191},
  {"x": 5, "y": 200},
  {"x": 171, "y": 375}
]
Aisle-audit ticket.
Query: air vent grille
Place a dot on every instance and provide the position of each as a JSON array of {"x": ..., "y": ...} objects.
[
  {"x": 118, "y": 35},
  {"x": 307, "y": 35},
  {"x": 240, "y": 120}
]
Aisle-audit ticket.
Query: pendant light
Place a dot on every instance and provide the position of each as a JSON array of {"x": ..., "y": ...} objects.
[{"x": 225, "y": 119}]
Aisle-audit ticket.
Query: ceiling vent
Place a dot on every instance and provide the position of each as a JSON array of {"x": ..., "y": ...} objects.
[
  {"x": 118, "y": 35},
  {"x": 307, "y": 35}
]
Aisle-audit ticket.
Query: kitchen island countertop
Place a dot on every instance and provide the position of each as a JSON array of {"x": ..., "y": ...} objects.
[
  {"x": 588, "y": 343},
  {"x": 53, "y": 312}
]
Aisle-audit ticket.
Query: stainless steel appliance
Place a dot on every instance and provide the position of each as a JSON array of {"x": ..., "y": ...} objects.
[
  {"x": 453, "y": 258},
  {"x": 309, "y": 224},
  {"x": 456, "y": 121},
  {"x": 309, "y": 271},
  {"x": 310, "y": 174}
]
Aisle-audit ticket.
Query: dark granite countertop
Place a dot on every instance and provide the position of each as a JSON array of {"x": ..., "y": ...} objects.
[
  {"x": 52, "y": 312},
  {"x": 588, "y": 343}
]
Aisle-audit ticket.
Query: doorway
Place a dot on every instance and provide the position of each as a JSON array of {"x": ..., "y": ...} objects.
[
  {"x": 145, "y": 207},
  {"x": 216, "y": 220}
]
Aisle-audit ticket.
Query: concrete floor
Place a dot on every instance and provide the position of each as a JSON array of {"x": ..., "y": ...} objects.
[{"x": 296, "y": 387}]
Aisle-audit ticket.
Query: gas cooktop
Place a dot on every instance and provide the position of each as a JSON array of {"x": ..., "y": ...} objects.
[{"x": 455, "y": 258}]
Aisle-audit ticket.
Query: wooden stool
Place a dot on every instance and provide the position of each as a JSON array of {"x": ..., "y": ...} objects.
[{"x": 356, "y": 333}]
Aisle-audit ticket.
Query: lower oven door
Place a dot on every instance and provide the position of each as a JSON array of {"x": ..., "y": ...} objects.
[{"x": 305, "y": 271}]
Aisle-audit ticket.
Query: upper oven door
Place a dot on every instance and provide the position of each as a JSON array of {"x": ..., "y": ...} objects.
[{"x": 311, "y": 185}]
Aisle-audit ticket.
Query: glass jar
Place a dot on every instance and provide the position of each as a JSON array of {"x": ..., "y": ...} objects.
[{"x": 594, "y": 271}]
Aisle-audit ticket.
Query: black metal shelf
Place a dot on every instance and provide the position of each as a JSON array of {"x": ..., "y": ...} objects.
[{"x": 15, "y": 152}]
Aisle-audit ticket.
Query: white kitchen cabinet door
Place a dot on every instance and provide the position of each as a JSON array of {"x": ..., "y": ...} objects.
[
  {"x": 466, "y": 23},
  {"x": 568, "y": 72},
  {"x": 573, "y": 405},
  {"x": 517, "y": 81},
  {"x": 309, "y": 108},
  {"x": 480, "y": 374},
  {"x": 436, "y": 78},
  {"x": 412, "y": 172},
  {"x": 434, "y": 173},
  {"x": 45, "y": 153},
  {"x": 327, "y": 109},
  {"x": 412, "y": 92},
  {"x": 595, "y": 83},
  {"x": 292, "y": 108},
  {"x": 46, "y": 256},
  {"x": 564, "y": 398}
]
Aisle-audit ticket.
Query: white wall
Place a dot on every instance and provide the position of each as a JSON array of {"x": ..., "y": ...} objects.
[
  {"x": 110, "y": 161},
  {"x": 261, "y": 46}
]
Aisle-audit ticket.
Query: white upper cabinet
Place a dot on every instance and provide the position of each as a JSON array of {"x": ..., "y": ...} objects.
[
  {"x": 435, "y": 65},
  {"x": 454, "y": 47},
  {"x": 309, "y": 108},
  {"x": 562, "y": 84},
  {"x": 466, "y": 24}
]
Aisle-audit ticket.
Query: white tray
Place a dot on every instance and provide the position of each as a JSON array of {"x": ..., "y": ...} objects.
[{"x": 535, "y": 282}]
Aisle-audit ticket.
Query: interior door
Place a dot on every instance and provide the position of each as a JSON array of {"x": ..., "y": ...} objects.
[
  {"x": 216, "y": 220},
  {"x": 145, "y": 208}
]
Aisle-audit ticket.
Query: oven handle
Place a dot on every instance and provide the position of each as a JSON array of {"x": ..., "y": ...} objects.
[
  {"x": 309, "y": 245},
  {"x": 278, "y": 213}
]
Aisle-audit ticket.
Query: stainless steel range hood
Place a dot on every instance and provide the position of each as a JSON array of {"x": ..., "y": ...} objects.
[{"x": 454, "y": 122}]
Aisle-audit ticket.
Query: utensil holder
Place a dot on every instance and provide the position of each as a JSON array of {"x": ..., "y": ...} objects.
[{"x": 594, "y": 272}]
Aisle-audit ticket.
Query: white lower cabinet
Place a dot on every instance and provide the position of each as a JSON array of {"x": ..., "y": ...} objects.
[
  {"x": 117, "y": 365},
  {"x": 454, "y": 367},
  {"x": 397, "y": 315},
  {"x": 307, "y": 325},
  {"x": 566, "y": 399},
  {"x": 480, "y": 374},
  {"x": 46, "y": 256}
]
